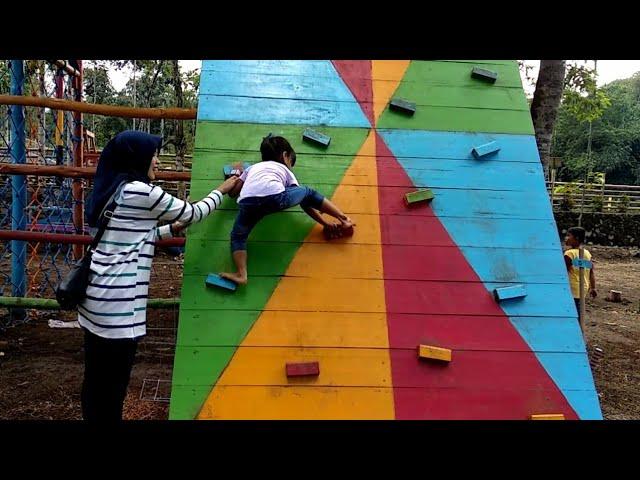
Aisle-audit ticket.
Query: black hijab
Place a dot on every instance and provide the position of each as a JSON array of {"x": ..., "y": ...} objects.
[{"x": 126, "y": 158}]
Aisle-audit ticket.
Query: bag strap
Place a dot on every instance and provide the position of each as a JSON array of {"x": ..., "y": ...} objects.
[{"x": 105, "y": 216}]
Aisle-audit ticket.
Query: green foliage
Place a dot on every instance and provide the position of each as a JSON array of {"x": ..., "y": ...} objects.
[
  {"x": 153, "y": 88},
  {"x": 623, "y": 204},
  {"x": 582, "y": 98},
  {"x": 615, "y": 136},
  {"x": 568, "y": 193},
  {"x": 597, "y": 204}
]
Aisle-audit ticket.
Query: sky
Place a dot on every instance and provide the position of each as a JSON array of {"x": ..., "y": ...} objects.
[{"x": 608, "y": 70}]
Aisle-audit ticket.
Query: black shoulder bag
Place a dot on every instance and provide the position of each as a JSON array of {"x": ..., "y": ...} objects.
[{"x": 73, "y": 288}]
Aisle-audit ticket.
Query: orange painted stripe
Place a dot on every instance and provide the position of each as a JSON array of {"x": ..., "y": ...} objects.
[
  {"x": 354, "y": 381},
  {"x": 392, "y": 72}
]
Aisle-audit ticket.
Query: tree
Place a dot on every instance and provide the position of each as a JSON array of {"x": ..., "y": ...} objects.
[
  {"x": 615, "y": 136},
  {"x": 98, "y": 89},
  {"x": 544, "y": 107},
  {"x": 156, "y": 85}
]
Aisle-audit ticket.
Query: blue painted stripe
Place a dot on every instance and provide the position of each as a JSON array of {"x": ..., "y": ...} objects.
[
  {"x": 458, "y": 145},
  {"x": 515, "y": 149},
  {"x": 517, "y": 265},
  {"x": 492, "y": 204},
  {"x": 311, "y": 68},
  {"x": 572, "y": 374},
  {"x": 258, "y": 85},
  {"x": 550, "y": 334},
  {"x": 433, "y": 173},
  {"x": 280, "y": 111},
  {"x": 585, "y": 403},
  {"x": 502, "y": 233},
  {"x": 233, "y": 94},
  {"x": 542, "y": 300}
]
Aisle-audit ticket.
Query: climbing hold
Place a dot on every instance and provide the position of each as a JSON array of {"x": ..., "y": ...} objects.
[
  {"x": 434, "y": 353},
  {"x": 486, "y": 75},
  {"x": 547, "y": 416},
  {"x": 214, "y": 280},
  {"x": 316, "y": 137},
  {"x": 505, "y": 293},
  {"x": 485, "y": 149},
  {"x": 345, "y": 232},
  {"x": 403, "y": 106},
  {"x": 418, "y": 196},
  {"x": 303, "y": 369},
  {"x": 235, "y": 169}
]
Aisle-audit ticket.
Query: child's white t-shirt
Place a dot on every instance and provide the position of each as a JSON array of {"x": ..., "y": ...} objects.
[{"x": 266, "y": 178}]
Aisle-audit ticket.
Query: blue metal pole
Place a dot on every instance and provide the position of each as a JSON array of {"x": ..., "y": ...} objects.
[{"x": 18, "y": 184}]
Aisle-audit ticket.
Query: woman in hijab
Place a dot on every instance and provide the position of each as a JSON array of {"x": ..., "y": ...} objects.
[{"x": 113, "y": 315}]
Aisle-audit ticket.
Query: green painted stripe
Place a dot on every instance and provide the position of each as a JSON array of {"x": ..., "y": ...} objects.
[
  {"x": 245, "y": 304},
  {"x": 451, "y": 119}
]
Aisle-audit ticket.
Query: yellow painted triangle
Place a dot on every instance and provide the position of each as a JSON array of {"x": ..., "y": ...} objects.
[
  {"x": 328, "y": 308},
  {"x": 386, "y": 75}
]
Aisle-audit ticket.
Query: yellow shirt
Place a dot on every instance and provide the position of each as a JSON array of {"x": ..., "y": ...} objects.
[{"x": 574, "y": 272}]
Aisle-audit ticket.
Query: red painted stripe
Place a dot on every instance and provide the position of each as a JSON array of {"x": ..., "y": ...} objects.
[
  {"x": 456, "y": 332},
  {"x": 479, "y": 404},
  {"x": 480, "y": 384},
  {"x": 357, "y": 75}
]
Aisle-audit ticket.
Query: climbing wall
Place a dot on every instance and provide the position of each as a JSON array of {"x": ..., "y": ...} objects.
[{"x": 361, "y": 306}]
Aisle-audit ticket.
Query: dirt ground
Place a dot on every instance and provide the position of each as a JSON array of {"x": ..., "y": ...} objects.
[{"x": 41, "y": 367}]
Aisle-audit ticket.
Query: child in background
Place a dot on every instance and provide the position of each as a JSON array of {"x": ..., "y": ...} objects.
[{"x": 575, "y": 237}]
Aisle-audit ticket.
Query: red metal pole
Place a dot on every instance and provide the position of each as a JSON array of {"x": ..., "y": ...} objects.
[
  {"x": 74, "y": 172},
  {"x": 70, "y": 238}
]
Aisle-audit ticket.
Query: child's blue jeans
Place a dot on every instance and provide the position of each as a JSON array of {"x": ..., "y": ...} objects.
[{"x": 253, "y": 209}]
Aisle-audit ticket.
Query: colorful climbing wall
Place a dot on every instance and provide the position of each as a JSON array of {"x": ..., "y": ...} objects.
[{"x": 361, "y": 306}]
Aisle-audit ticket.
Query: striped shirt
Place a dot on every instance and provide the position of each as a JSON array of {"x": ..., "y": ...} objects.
[{"x": 116, "y": 302}]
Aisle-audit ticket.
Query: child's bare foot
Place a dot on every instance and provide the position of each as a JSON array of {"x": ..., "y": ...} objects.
[{"x": 235, "y": 277}]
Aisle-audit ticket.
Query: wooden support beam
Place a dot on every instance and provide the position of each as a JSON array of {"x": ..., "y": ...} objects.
[{"x": 99, "y": 109}]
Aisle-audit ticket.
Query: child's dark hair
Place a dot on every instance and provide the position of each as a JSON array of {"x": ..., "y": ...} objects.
[
  {"x": 273, "y": 147},
  {"x": 578, "y": 233}
]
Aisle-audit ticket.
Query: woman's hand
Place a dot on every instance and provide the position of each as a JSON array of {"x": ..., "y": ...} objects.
[
  {"x": 228, "y": 185},
  {"x": 178, "y": 227}
]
